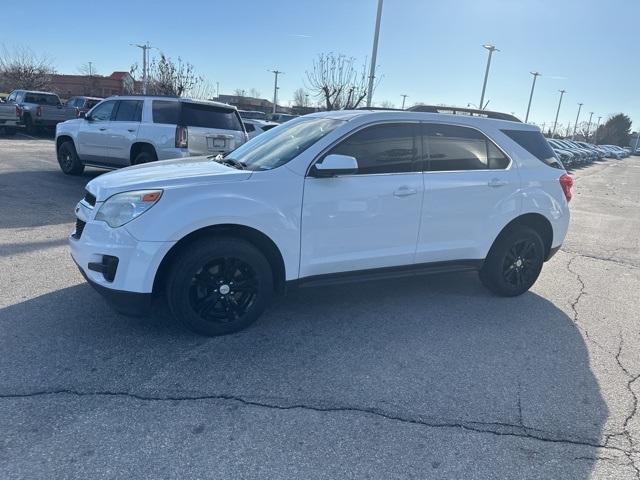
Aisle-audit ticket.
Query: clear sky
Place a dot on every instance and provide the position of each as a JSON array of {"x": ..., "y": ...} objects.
[{"x": 430, "y": 50}]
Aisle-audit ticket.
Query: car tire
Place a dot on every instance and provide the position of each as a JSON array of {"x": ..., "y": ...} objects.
[
  {"x": 10, "y": 131},
  {"x": 145, "y": 156},
  {"x": 219, "y": 285},
  {"x": 514, "y": 262},
  {"x": 68, "y": 159},
  {"x": 29, "y": 127}
]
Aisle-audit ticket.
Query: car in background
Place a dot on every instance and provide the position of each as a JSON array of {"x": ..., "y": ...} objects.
[
  {"x": 131, "y": 130},
  {"x": 614, "y": 151},
  {"x": 83, "y": 104},
  {"x": 280, "y": 117},
  {"x": 33, "y": 110},
  {"x": 256, "y": 127},
  {"x": 579, "y": 157},
  {"x": 252, "y": 114}
]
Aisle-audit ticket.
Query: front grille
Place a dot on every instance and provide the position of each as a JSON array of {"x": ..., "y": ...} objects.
[
  {"x": 79, "y": 228},
  {"x": 90, "y": 199}
]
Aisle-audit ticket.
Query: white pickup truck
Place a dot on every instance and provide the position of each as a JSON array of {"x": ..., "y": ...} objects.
[{"x": 32, "y": 110}]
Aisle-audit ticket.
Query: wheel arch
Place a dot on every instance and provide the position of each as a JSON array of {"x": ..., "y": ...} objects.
[
  {"x": 138, "y": 147},
  {"x": 257, "y": 238},
  {"x": 535, "y": 221},
  {"x": 64, "y": 138}
]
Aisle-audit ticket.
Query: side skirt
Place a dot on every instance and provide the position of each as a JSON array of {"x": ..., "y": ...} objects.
[{"x": 386, "y": 273}]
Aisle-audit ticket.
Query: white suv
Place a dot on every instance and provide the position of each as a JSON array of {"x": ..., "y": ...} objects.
[
  {"x": 130, "y": 130},
  {"x": 327, "y": 197}
]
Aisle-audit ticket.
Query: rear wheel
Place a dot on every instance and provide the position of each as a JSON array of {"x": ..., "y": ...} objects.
[
  {"x": 28, "y": 125},
  {"x": 145, "y": 156},
  {"x": 68, "y": 159},
  {"x": 218, "y": 286},
  {"x": 514, "y": 262}
]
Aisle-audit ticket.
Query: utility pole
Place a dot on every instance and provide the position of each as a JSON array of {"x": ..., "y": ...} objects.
[
  {"x": 145, "y": 64},
  {"x": 374, "y": 54},
  {"x": 595, "y": 134},
  {"x": 553, "y": 133},
  {"x": 90, "y": 69},
  {"x": 491, "y": 49},
  {"x": 589, "y": 126},
  {"x": 568, "y": 129},
  {"x": 543, "y": 124},
  {"x": 575, "y": 125},
  {"x": 218, "y": 90},
  {"x": 533, "y": 85},
  {"x": 275, "y": 88},
  {"x": 404, "y": 97}
]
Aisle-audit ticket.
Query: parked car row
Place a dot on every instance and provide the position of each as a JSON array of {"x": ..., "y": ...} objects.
[
  {"x": 271, "y": 117},
  {"x": 572, "y": 153}
]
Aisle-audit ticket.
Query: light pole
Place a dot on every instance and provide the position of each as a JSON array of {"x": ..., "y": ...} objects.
[
  {"x": 491, "y": 49},
  {"x": 553, "y": 133},
  {"x": 145, "y": 56},
  {"x": 533, "y": 85},
  {"x": 595, "y": 134},
  {"x": 404, "y": 97},
  {"x": 589, "y": 126},
  {"x": 218, "y": 90},
  {"x": 275, "y": 88},
  {"x": 374, "y": 54},
  {"x": 575, "y": 125}
]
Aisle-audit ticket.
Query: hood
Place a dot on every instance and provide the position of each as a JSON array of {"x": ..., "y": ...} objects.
[{"x": 181, "y": 172}]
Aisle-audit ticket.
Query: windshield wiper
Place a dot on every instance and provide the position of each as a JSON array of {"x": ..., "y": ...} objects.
[{"x": 231, "y": 162}]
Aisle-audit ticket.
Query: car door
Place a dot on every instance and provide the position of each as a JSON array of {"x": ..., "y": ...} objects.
[
  {"x": 93, "y": 135},
  {"x": 471, "y": 189},
  {"x": 368, "y": 219},
  {"x": 123, "y": 131}
]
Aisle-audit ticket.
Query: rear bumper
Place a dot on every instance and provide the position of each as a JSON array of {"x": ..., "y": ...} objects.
[{"x": 128, "y": 303}]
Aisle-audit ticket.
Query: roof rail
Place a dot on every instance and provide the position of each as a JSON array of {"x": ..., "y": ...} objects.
[{"x": 464, "y": 111}]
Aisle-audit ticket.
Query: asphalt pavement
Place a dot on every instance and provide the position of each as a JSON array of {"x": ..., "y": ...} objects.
[{"x": 426, "y": 378}]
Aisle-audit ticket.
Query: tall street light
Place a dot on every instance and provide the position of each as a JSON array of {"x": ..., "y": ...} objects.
[
  {"x": 533, "y": 85},
  {"x": 589, "y": 125},
  {"x": 575, "y": 125},
  {"x": 555, "y": 122},
  {"x": 374, "y": 54},
  {"x": 491, "y": 49},
  {"x": 595, "y": 134},
  {"x": 404, "y": 97},
  {"x": 145, "y": 64},
  {"x": 275, "y": 88}
]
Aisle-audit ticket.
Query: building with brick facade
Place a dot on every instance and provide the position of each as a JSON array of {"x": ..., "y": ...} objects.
[{"x": 118, "y": 83}]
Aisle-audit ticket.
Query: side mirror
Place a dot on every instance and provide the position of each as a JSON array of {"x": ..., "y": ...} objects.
[
  {"x": 87, "y": 117},
  {"x": 334, "y": 164}
]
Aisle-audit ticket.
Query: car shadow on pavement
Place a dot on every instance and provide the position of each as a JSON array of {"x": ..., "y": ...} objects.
[
  {"x": 44, "y": 197},
  {"x": 434, "y": 350}
]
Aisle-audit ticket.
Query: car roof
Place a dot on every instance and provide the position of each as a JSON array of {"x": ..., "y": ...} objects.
[
  {"x": 171, "y": 98},
  {"x": 258, "y": 121},
  {"x": 472, "y": 120}
]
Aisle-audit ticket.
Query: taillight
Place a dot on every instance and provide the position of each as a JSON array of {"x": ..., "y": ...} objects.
[
  {"x": 566, "y": 182},
  {"x": 18, "y": 111},
  {"x": 182, "y": 137},
  {"x": 77, "y": 112},
  {"x": 39, "y": 111}
]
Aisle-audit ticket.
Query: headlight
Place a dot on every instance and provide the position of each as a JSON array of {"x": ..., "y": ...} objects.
[{"x": 123, "y": 207}]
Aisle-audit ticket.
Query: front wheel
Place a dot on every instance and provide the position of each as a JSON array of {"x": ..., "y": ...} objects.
[
  {"x": 219, "y": 285},
  {"x": 68, "y": 159},
  {"x": 514, "y": 262}
]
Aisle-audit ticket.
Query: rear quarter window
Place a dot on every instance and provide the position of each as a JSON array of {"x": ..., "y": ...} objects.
[
  {"x": 165, "y": 112},
  {"x": 206, "y": 116},
  {"x": 534, "y": 143}
]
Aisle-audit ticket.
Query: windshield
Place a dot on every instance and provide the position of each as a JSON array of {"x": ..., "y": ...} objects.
[{"x": 282, "y": 144}]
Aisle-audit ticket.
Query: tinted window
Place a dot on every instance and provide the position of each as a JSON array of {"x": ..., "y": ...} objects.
[
  {"x": 534, "y": 143},
  {"x": 388, "y": 148},
  {"x": 103, "y": 111},
  {"x": 41, "y": 99},
  {"x": 90, "y": 103},
  {"x": 450, "y": 147},
  {"x": 166, "y": 112},
  {"x": 206, "y": 116},
  {"x": 129, "y": 111},
  {"x": 249, "y": 127}
]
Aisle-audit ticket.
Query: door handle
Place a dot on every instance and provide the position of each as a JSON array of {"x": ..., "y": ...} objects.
[
  {"x": 131, "y": 129},
  {"x": 496, "y": 182},
  {"x": 405, "y": 191},
  {"x": 102, "y": 129}
]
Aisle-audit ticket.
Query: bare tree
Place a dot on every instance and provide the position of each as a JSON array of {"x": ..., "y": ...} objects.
[
  {"x": 240, "y": 92},
  {"x": 300, "y": 98},
  {"x": 88, "y": 69},
  {"x": 169, "y": 77},
  {"x": 20, "y": 67},
  {"x": 337, "y": 81},
  {"x": 255, "y": 93},
  {"x": 204, "y": 90},
  {"x": 388, "y": 104}
]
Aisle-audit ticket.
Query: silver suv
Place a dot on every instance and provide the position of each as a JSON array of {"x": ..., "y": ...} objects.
[{"x": 130, "y": 130}]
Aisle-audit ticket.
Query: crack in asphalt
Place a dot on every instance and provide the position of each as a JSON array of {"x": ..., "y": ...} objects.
[
  {"x": 602, "y": 259},
  {"x": 493, "y": 428}
]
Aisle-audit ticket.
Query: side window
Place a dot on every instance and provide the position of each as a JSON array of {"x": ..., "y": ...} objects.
[
  {"x": 387, "y": 148},
  {"x": 166, "y": 111},
  {"x": 451, "y": 147},
  {"x": 249, "y": 127},
  {"x": 103, "y": 111},
  {"x": 129, "y": 111},
  {"x": 12, "y": 97}
]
